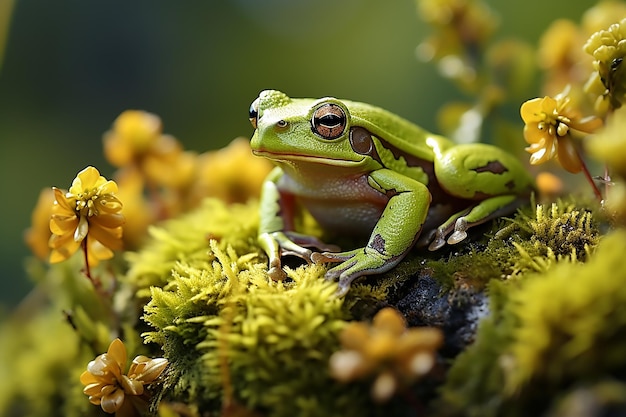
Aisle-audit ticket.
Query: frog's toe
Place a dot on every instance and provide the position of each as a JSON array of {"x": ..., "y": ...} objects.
[
  {"x": 345, "y": 273},
  {"x": 460, "y": 231},
  {"x": 276, "y": 273},
  {"x": 456, "y": 237},
  {"x": 438, "y": 242},
  {"x": 326, "y": 257}
]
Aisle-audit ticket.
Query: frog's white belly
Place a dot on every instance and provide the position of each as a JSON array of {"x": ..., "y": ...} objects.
[{"x": 338, "y": 203}]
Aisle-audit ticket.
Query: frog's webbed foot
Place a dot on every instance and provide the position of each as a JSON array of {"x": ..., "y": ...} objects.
[
  {"x": 459, "y": 233},
  {"x": 454, "y": 230},
  {"x": 279, "y": 244},
  {"x": 355, "y": 263}
]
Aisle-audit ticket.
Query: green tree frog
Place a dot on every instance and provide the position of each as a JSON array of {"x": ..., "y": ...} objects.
[{"x": 363, "y": 171}]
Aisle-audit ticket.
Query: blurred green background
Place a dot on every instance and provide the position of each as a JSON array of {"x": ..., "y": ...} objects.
[{"x": 70, "y": 67}]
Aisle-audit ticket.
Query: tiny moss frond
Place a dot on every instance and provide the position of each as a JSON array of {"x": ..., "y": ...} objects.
[
  {"x": 554, "y": 232},
  {"x": 186, "y": 239},
  {"x": 564, "y": 229}
]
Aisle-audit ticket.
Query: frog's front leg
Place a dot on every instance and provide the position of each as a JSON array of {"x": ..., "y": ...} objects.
[
  {"x": 275, "y": 236},
  {"x": 394, "y": 234}
]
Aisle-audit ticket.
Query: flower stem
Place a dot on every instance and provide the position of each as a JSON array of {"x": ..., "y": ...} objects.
[
  {"x": 94, "y": 281},
  {"x": 607, "y": 182},
  {"x": 589, "y": 178}
]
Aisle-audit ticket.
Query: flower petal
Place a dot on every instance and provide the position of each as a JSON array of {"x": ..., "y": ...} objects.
[
  {"x": 568, "y": 156},
  {"x": 112, "y": 402},
  {"x": 533, "y": 134},
  {"x": 538, "y": 157},
  {"x": 152, "y": 369},
  {"x": 60, "y": 225},
  {"x": 110, "y": 221},
  {"x": 63, "y": 247},
  {"x": 117, "y": 352},
  {"x": 87, "y": 378},
  {"x": 108, "y": 204},
  {"x": 81, "y": 231},
  {"x": 108, "y": 187},
  {"x": 93, "y": 389},
  {"x": 389, "y": 320},
  {"x": 587, "y": 125},
  {"x": 97, "y": 252},
  {"x": 85, "y": 179},
  {"x": 531, "y": 111},
  {"x": 131, "y": 386},
  {"x": 548, "y": 106},
  {"x": 110, "y": 238},
  {"x": 61, "y": 199}
]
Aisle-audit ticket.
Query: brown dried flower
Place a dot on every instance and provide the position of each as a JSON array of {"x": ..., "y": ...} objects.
[
  {"x": 116, "y": 392},
  {"x": 387, "y": 350}
]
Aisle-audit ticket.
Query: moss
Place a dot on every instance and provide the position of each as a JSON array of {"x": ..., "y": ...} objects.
[
  {"x": 46, "y": 356},
  {"x": 546, "y": 331},
  {"x": 531, "y": 241},
  {"x": 226, "y": 328},
  {"x": 186, "y": 239},
  {"x": 561, "y": 230}
]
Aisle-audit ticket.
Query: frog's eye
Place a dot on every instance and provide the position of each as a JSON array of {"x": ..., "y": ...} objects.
[
  {"x": 254, "y": 113},
  {"x": 328, "y": 121}
]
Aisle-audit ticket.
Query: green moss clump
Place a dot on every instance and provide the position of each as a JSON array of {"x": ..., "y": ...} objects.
[
  {"x": 186, "y": 239},
  {"x": 227, "y": 329},
  {"x": 232, "y": 334},
  {"x": 558, "y": 231},
  {"x": 532, "y": 241},
  {"x": 546, "y": 331},
  {"x": 42, "y": 360}
]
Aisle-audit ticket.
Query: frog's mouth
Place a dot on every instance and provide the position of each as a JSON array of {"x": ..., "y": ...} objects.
[{"x": 320, "y": 160}]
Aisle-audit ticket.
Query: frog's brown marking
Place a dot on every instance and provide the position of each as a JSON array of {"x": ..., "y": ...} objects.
[
  {"x": 495, "y": 167},
  {"x": 510, "y": 185},
  {"x": 378, "y": 244}
]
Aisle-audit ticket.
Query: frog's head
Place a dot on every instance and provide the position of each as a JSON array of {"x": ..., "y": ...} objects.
[{"x": 309, "y": 130}]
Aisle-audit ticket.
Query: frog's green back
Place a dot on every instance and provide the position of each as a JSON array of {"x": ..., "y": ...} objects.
[{"x": 394, "y": 129}]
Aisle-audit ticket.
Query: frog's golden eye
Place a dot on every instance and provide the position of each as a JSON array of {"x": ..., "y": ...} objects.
[
  {"x": 254, "y": 113},
  {"x": 328, "y": 121}
]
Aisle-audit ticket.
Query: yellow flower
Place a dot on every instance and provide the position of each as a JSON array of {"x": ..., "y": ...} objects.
[
  {"x": 138, "y": 213},
  {"x": 38, "y": 234},
  {"x": 561, "y": 56},
  {"x": 136, "y": 139},
  {"x": 108, "y": 386},
  {"x": 608, "y": 48},
  {"x": 89, "y": 210},
  {"x": 548, "y": 124},
  {"x": 232, "y": 173},
  {"x": 134, "y": 133},
  {"x": 388, "y": 350}
]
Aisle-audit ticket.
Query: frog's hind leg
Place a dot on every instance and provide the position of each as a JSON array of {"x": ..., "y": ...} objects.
[{"x": 454, "y": 230}]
